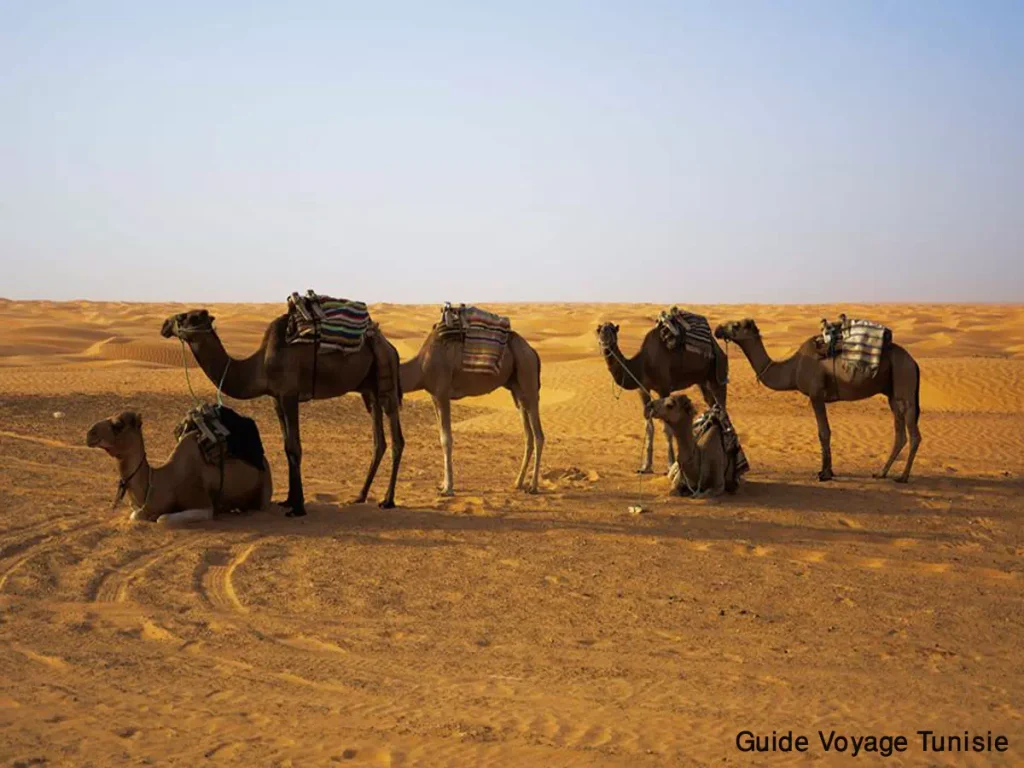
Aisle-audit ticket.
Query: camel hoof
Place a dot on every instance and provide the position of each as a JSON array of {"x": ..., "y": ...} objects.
[
  {"x": 645, "y": 471},
  {"x": 445, "y": 492},
  {"x": 825, "y": 476},
  {"x": 386, "y": 504},
  {"x": 878, "y": 475},
  {"x": 901, "y": 480},
  {"x": 296, "y": 512}
]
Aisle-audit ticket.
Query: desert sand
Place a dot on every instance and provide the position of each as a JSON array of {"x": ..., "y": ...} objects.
[{"x": 498, "y": 628}]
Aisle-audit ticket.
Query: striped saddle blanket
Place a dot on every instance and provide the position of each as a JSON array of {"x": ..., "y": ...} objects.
[
  {"x": 858, "y": 344},
  {"x": 715, "y": 416},
  {"x": 681, "y": 329},
  {"x": 333, "y": 323},
  {"x": 483, "y": 335}
]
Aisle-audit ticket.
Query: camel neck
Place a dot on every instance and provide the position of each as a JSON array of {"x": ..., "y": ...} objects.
[
  {"x": 242, "y": 379},
  {"x": 625, "y": 371},
  {"x": 775, "y": 375},
  {"x": 410, "y": 374},
  {"x": 135, "y": 475}
]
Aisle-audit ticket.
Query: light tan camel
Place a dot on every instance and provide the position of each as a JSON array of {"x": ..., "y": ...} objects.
[
  {"x": 898, "y": 378},
  {"x": 703, "y": 465},
  {"x": 437, "y": 368},
  {"x": 285, "y": 372},
  {"x": 662, "y": 371},
  {"x": 186, "y": 487}
]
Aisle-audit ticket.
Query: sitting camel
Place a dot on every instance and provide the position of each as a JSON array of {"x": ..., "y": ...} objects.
[
  {"x": 704, "y": 465},
  {"x": 184, "y": 489},
  {"x": 286, "y": 372},
  {"x": 662, "y": 371},
  {"x": 437, "y": 368},
  {"x": 820, "y": 379}
]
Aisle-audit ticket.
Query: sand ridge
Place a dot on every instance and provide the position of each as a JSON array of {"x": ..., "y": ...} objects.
[{"x": 496, "y": 628}]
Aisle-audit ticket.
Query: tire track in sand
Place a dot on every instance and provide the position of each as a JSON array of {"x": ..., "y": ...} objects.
[
  {"x": 113, "y": 585},
  {"x": 42, "y": 539},
  {"x": 215, "y": 583}
]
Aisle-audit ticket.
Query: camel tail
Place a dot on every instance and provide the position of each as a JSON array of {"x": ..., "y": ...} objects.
[
  {"x": 917, "y": 391},
  {"x": 389, "y": 383}
]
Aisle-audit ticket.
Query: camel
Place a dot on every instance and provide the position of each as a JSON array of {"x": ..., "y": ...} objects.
[
  {"x": 184, "y": 489},
  {"x": 661, "y": 371},
  {"x": 898, "y": 378},
  {"x": 437, "y": 368},
  {"x": 285, "y": 372},
  {"x": 703, "y": 466}
]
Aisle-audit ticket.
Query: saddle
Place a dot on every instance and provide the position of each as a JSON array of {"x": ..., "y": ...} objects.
[
  {"x": 483, "y": 335},
  {"x": 334, "y": 324},
  {"x": 859, "y": 344},
  {"x": 221, "y": 433},
  {"x": 716, "y": 416},
  {"x": 679, "y": 329}
]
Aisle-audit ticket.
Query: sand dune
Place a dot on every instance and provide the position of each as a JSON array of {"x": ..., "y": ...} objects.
[{"x": 495, "y": 628}]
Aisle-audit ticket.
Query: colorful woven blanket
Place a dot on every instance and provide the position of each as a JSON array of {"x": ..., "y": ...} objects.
[
  {"x": 679, "y": 328},
  {"x": 857, "y": 343},
  {"x": 334, "y": 323},
  {"x": 483, "y": 334}
]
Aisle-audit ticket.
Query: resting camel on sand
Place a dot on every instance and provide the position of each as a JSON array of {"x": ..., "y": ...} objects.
[
  {"x": 437, "y": 368},
  {"x": 898, "y": 378},
  {"x": 184, "y": 489},
  {"x": 703, "y": 465},
  {"x": 662, "y": 371},
  {"x": 285, "y": 373}
]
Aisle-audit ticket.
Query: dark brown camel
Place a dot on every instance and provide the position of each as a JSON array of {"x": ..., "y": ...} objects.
[
  {"x": 285, "y": 372},
  {"x": 898, "y": 378},
  {"x": 662, "y": 371}
]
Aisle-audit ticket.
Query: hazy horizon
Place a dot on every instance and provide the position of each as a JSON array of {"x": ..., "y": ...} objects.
[{"x": 575, "y": 152}]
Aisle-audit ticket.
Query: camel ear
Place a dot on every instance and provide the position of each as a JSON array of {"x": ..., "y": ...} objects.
[
  {"x": 132, "y": 419},
  {"x": 616, "y": 327}
]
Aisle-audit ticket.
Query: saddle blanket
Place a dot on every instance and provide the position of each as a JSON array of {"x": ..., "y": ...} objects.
[
  {"x": 218, "y": 428},
  {"x": 679, "y": 328},
  {"x": 484, "y": 336},
  {"x": 857, "y": 343},
  {"x": 334, "y": 323},
  {"x": 730, "y": 440}
]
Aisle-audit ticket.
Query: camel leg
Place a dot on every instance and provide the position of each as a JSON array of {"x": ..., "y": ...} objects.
[
  {"x": 443, "y": 409},
  {"x": 288, "y": 415},
  {"x": 378, "y": 450},
  {"x": 898, "y": 409},
  {"x": 397, "y": 447},
  {"x": 825, "y": 438},
  {"x": 528, "y": 452},
  {"x": 533, "y": 409},
  {"x": 646, "y": 468},
  {"x": 915, "y": 440}
]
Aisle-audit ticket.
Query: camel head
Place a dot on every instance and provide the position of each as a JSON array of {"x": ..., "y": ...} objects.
[
  {"x": 738, "y": 330},
  {"x": 185, "y": 324},
  {"x": 119, "y": 436},
  {"x": 607, "y": 335},
  {"x": 676, "y": 409}
]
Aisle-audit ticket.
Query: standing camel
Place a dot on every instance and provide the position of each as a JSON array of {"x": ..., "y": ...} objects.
[
  {"x": 898, "y": 378},
  {"x": 285, "y": 372},
  {"x": 437, "y": 368},
  {"x": 662, "y": 371}
]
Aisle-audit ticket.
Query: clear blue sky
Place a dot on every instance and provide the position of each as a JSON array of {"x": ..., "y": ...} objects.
[{"x": 588, "y": 151}]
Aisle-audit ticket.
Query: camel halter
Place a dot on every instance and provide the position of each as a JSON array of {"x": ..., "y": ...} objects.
[
  {"x": 609, "y": 352},
  {"x": 122, "y": 487},
  {"x": 184, "y": 363}
]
